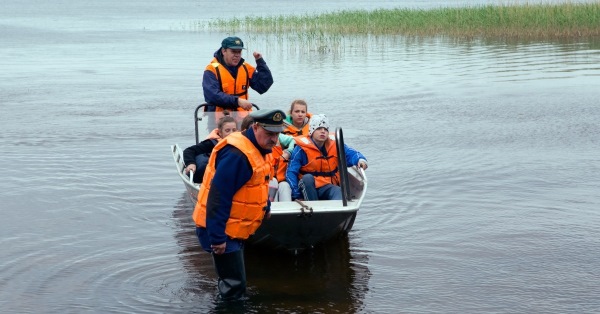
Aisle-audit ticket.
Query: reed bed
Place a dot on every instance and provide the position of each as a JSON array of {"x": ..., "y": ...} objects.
[{"x": 506, "y": 20}]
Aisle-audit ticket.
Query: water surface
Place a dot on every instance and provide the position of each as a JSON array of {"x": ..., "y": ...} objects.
[{"x": 483, "y": 180}]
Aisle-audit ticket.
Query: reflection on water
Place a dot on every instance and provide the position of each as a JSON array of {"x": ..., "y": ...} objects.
[
  {"x": 331, "y": 278},
  {"x": 200, "y": 276},
  {"x": 458, "y": 61}
]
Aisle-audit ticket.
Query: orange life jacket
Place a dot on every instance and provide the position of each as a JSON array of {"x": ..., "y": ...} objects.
[
  {"x": 237, "y": 86},
  {"x": 214, "y": 135},
  {"x": 279, "y": 164},
  {"x": 247, "y": 209},
  {"x": 323, "y": 167},
  {"x": 292, "y": 130}
]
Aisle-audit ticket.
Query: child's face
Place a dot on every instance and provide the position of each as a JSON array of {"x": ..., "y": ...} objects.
[
  {"x": 228, "y": 128},
  {"x": 298, "y": 114}
]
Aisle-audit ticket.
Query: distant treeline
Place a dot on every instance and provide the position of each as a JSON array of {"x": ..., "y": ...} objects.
[{"x": 510, "y": 20}]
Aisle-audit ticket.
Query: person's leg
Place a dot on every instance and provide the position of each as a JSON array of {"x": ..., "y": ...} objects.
[
  {"x": 330, "y": 192},
  {"x": 273, "y": 187},
  {"x": 307, "y": 183},
  {"x": 231, "y": 271},
  {"x": 211, "y": 122},
  {"x": 284, "y": 192}
]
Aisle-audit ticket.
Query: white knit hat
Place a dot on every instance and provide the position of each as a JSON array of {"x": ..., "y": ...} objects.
[{"x": 317, "y": 121}]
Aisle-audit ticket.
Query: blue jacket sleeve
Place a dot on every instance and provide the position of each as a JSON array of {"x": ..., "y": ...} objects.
[
  {"x": 297, "y": 160},
  {"x": 262, "y": 79},
  {"x": 233, "y": 170},
  {"x": 213, "y": 93},
  {"x": 352, "y": 156}
]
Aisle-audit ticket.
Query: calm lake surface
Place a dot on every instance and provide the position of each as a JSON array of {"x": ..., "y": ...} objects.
[{"x": 484, "y": 177}]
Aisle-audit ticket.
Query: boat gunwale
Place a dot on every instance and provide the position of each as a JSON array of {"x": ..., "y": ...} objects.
[{"x": 284, "y": 208}]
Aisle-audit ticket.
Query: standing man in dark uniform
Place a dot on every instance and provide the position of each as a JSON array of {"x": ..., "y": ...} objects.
[
  {"x": 228, "y": 76},
  {"x": 233, "y": 197}
]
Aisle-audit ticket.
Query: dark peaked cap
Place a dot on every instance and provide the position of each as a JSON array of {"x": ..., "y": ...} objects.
[
  {"x": 270, "y": 120},
  {"x": 233, "y": 43}
]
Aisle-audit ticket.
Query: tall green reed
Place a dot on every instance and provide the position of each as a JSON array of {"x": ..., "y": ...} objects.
[{"x": 504, "y": 20}]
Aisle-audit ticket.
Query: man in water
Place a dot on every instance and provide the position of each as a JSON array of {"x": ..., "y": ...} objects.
[{"x": 233, "y": 197}]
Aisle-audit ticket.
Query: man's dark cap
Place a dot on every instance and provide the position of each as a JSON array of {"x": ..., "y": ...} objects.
[
  {"x": 270, "y": 120},
  {"x": 232, "y": 43}
]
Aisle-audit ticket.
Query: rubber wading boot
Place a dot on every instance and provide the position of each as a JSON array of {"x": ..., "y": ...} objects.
[{"x": 232, "y": 274}]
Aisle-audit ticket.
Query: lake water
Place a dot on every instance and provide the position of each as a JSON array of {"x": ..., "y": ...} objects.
[{"x": 484, "y": 159}]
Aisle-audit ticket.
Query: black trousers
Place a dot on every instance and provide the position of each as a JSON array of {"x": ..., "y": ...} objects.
[{"x": 232, "y": 274}]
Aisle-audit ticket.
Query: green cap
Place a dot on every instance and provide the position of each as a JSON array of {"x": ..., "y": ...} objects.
[
  {"x": 270, "y": 120},
  {"x": 232, "y": 43}
]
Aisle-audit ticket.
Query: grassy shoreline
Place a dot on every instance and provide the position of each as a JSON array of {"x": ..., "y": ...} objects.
[{"x": 515, "y": 21}]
